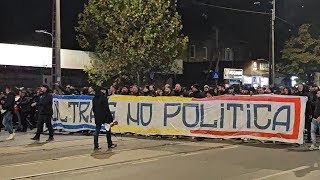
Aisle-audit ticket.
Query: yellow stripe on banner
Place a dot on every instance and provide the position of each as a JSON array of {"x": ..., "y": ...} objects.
[
  {"x": 149, "y": 130},
  {"x": 148, "y": 98}
]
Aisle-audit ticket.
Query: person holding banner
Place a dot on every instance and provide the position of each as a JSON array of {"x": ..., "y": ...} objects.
[
  {"x": 302, "y": 91},
  {"x": 315, "y": 125},
  {"x": 102, "y": 115}
]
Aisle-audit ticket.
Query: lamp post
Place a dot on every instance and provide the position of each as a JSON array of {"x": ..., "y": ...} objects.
[
  {"x": 273, "y": 18},
  {"x": 272, "y": 61},
  {"x": 56, "y": 42},
  {"x": 50, "y": 34}
]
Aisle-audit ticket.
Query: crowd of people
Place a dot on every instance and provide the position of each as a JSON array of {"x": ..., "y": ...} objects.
[
  {"x": 194, "y": 91},
  {"x": 25, "y": 115},
  {"x": 26, "y": 109}
]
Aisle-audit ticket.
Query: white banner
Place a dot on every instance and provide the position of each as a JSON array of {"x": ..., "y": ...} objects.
[{"x": 278, "y": 118}]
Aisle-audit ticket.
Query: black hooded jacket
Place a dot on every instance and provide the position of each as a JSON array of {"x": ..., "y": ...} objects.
[
  {"x": 9, "y": 102},
  {"x": 44, "y": 105},
  {"x": 317, "y": 109},
  {"x": 101, "y": 109}
]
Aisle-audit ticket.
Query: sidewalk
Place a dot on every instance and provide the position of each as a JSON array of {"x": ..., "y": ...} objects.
[{"x": 24, "y": 138}]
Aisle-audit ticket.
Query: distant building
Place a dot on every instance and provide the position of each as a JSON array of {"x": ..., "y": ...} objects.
[
  {"x": 30, "y": 66},
  {"x": 204, "y": 52}
]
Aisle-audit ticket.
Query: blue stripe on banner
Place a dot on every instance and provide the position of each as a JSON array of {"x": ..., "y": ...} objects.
[
  {"x": 73, "y": 97},
  {"x": 78, "y": 127}
]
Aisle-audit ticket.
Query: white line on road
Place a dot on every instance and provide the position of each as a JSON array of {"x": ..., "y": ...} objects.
[
  {"x": 87, "y": 170},
  {"x": 283, "y": 172},
  {"x": 200, "y": 152},
  {"x": 230, "y": 147},
  {"x": 144, "y": 161},
  {"x": 54, "y": 159},
  {"x": 95, "y": 168},
  {"x": 190, "y": 154}
]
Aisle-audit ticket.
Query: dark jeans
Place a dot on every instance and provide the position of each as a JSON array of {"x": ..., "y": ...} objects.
[
  {"x": 24, "y": 116},
  {"x": 47, "y": 120},
  {"x": 308, "y": 128},
  {"x": 96, "y": 136},
  {"x": 7, "y": 121}
]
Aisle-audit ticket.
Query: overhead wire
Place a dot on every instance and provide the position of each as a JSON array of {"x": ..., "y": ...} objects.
[{"x": 245, "y": 11}]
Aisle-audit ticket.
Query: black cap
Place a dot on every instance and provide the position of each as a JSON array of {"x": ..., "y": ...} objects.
[
  {"x": 45, "y": 86},
  {"x": 196, "y": 86},
  {"x": 99, "y": 88}
]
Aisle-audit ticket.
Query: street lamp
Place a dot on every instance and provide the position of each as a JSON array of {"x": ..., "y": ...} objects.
[
  {"x": 56, "y": 43},
  {"x": 273, "y": 19},
  {"x": 43, "y": 31}
]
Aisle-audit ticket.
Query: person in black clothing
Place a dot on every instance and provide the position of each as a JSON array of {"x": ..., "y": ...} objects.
[
  {"x": 125, "y": 90},
  {"x": 308, "y": 113},
  {"x": 135, "y": 90},
  {"x": 102, "y": 115},
  {"x": 315, "y": 124},
  {"x": 24, "y": 110},
  {"x": 45, "y": 112},
  {"x": 152, "y": 91},
  {"x": 177, "y": 90},
  {"x": 145, "y": 91},
  {"x": 35, "y": 96},
  {"x": 196, "y": 93}
]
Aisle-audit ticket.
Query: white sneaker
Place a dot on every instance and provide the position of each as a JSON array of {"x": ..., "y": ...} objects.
[
  {"x": 313, "y": 147},
  {"x": 11, "y": 137}
]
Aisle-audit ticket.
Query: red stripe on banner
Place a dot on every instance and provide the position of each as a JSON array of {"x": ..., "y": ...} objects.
[
  {"x": 295, "y": 100},
  {"x": 240, "y": 133}
]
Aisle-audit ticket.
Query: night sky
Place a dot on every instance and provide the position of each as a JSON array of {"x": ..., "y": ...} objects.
[{"x": 20, "y": 18}]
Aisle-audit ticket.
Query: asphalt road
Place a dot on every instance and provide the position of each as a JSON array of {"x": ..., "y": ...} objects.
[{"x": 136, "y": 158}]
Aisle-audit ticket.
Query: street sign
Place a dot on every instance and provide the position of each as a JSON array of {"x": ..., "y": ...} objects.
[
  {"x": 215, "y": 75},
  {"x": 235, "y": 74}
]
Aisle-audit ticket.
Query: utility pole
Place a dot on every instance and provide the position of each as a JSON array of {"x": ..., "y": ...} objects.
[
  {"x": 273, "y": 42},
  {"x": 56, "y": 43}
]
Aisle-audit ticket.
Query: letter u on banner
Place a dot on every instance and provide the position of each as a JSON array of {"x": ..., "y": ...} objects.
[{"x": 184, "y": 114}]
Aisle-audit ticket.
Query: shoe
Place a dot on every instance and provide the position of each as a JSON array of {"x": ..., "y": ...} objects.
[
  {"x": 314, "y": 147},
  {"x": 35, "y": 139},
  {"x": 50, "y": 139},
  {"x": 112, "y": 146},
  {"x": 96, "y": 148},
  {"x": 11, "y": 137}
]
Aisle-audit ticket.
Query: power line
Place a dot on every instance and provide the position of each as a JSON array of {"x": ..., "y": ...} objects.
[
  {"x": 245, "y": 11},
  {"x": 285, "y": 21},
  {"x": 234, "y": 9}
]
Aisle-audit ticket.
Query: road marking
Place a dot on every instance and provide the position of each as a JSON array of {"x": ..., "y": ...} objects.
[
  {"x": 87, "y": 170},
  {"x": 230, "y": 147},
  {"x": 55, "y": 159},
  {"x": 202, "y": 151},
  {"x": 105, "y": 165},
  {"x": 144, "y": 161},
  {"x": 191, "y": 154},
  {"x": 283, "y": 172},
  {"x": 77, "y": 156}
]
